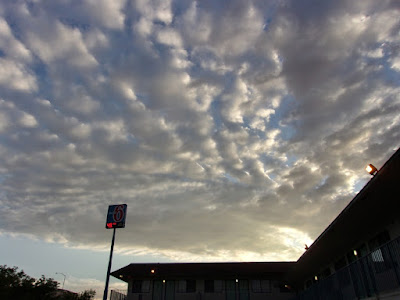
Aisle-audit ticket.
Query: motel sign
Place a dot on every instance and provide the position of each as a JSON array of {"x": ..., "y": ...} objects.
[{"x": 116, "y": 216}]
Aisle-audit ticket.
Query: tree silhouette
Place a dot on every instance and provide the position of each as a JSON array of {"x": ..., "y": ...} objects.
[{"x": 16, "y": 284}]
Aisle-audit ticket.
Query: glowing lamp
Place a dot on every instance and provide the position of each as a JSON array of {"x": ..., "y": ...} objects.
[{"x": 371, "y": 169}]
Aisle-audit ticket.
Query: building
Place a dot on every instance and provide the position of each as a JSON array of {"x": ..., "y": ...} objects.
[
  {"x": 207, "y": 281},
  {"x": 356, "y": 257},
  {"x": 358, "y": 254}
]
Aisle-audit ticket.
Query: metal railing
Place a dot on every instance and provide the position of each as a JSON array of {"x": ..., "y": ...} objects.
[
  {"x": 117, "y": 295},
  {"x": 369, "y": 276}
]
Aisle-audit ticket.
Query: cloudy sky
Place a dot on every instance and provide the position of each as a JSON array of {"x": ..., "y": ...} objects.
[{"x": 233, "y": 130}]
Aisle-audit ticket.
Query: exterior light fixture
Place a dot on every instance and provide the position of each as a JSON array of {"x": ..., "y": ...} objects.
[
  {"x": 153, "y": 271},
  {"x": 355, "y": 252},
  {"x": 316, "y": 278},
  {"x": 163, "y": 281},
  {"x": 121, "y": 276},
  {"x": 237, "y": 280},
  {"x": 371, "y": 169}
]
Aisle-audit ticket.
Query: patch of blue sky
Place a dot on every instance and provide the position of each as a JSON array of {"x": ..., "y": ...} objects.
[
  {"x": 291, "y": 160},
  {"x": 114, "y": 105},
  {"x": 322, "y": 182},
  {"x": 142, "y": 97},
  {"x": 359, "y": 184},
  {"x": 272, "y": 176},
  {"x": 159, "y": 23},
  {"x": 270, "y": 12},
  {"x": 163, "y": 50},
  {"x": 132, "y": 139},
  {"x": 16, "y": 31},
  {"x": 287, "y": 130},
  {"x": 3, "y": 177},
  {"x": 180, "y": 7},
  {"x": 231, "y": 179},
  {"x": 390, "y": 75},
  {"x": 254, "y": 131},
  {"x": 215, "y": 107},
  {"x": 270, "y": 163},
  {"x": 45, "y": 83},
  {"x": 267, "y": 23},
  {"x": 74, "y": 24}
]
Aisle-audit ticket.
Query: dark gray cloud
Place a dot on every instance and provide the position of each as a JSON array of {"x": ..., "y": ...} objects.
[{"x": 232, "y": 129}]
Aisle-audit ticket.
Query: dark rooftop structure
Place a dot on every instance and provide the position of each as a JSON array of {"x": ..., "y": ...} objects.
[{"x": 233, "y": 270}]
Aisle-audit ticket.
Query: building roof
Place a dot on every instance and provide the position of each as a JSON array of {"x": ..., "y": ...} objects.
[
  {"x": 376, "y": 204},
  {"x": 238, "y": 270}
]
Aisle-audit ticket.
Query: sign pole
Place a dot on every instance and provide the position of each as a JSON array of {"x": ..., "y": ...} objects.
[
  {"x": 109, "y": 266},
  {"x": 115, "y": 219}
]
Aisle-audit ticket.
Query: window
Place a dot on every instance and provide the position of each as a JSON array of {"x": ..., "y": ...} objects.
[
  {"x": 261, "y": 286},
  {"x": 141, "y": 286},
  {"x": 380, "y": 254},
  {"x": 186, "y": 286},
  {"x": 213, "y": 286}
]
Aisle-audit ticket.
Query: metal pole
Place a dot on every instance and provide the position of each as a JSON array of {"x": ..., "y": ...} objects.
[
  {"x": 64, "y": 278},
  {"x": 109, "y": 267}
]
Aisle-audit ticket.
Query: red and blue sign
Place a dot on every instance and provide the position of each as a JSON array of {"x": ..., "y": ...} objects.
[{"x": 116, "y": 216}]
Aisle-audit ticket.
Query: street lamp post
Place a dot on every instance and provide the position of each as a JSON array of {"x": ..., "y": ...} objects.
[{"x": 64, "y": 278}]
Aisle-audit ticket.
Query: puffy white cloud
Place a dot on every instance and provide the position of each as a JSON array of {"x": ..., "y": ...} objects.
[
  {"x": 10, "y": 45},
  {"x": 169, "y": 37},
  {"x": 57, "y": 42},
  {"x": 218, "y": 123},
  {"x": 17, "y": 76},
  {"x": 27, "y": 120},
  {"x": 155, "y": 10}
]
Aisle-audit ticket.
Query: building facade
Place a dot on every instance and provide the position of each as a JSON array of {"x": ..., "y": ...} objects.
[{"x": 207, "y": 281}]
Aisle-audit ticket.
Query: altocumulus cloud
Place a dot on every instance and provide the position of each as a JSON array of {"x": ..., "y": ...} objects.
[{"x": 234, "y": 130}]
